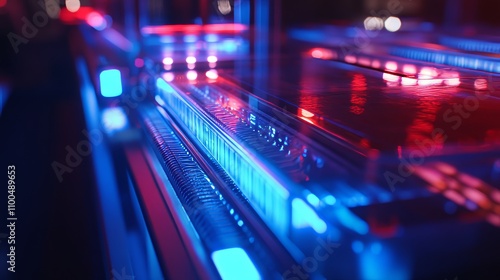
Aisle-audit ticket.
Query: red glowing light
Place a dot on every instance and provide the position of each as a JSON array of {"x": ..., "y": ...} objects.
[
  {"x": 322, "y": 53},
  {"x": 409, "y": 69},
  {"x": 391, "y": 66},
  {"x": 307, "y": 120},
  {"x": 317, "y": 53},
  {"x": 427, "y": 76},
  {"x": 139, "y": 62},
  {"x": 358, "y": 83},
  {"x": 358, "y": 94},
  {"x": 96, "y": 20},
  {"x": 364, "y": 61},
  {"x": 305, "y": 113},
  {"x": 350, "y": 59},
  {"x": 452, "y": 78},
  {"x": 193, "y": 28},
  {"x": 365, "y": 143},
  {"x": 390, "y": 78},
  {"x": 75, "y": 17},
  {"x": 376, "y": 64},
  {"x": 481, "y": 84}
]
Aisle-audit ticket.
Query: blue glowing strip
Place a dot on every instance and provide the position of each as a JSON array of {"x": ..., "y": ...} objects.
[
  {"x": 469, "y": 61},
  {"x": 242, "y": 12},
  {"x": 313, "y": 36},
  {"x": 163, "y": 85},
  {"x": 234, "y": 263},
  {"x": 471, "y": 44},
  {"x": 261, "y": 188},
  {"x": 111, "y": 83},
  {"x": 114, "y": 223},
  {"x": 4, "y": 95}
]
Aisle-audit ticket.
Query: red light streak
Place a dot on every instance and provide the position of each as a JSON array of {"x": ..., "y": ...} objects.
[
  {"x": 321, "y": 53},
  {"x": 193, "y": 28}
]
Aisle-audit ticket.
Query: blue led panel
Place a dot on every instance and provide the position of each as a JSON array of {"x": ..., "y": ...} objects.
[
  {"x": 264, "y": 192},
  {"x": 234, "y": 263},
  {"x": 470, "y": 61},
  {"x": 471, "y": 44},
  {"x": 111, "y": 83}
]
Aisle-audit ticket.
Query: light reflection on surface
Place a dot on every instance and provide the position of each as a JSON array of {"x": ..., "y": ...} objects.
[
  {"x": 391, "y": 66},
  {"x": 427, "y": 76},
  {"x": 451, "y": 78},
  {"x": 422, "y": 126},
  {"x": 358, "y": 94},
  {"x": 191, "y": 75},
  {"x": 212, "y": 74},
  {"x": 305, "y": 113},
  {"x": 481, "y": 84},
  {"x": 463, "y": 189}
]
